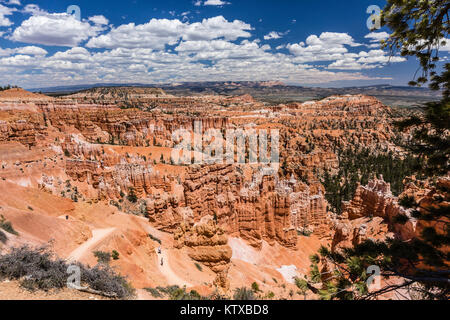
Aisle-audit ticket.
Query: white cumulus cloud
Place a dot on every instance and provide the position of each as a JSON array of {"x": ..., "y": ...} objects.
[
  {"x": 215, "y": 3},
  {"x": 54, "y": 29},
  {"x": 272, "y": 35},
  {"x": 100, "y": 20},
  {"x": 375, "y": 38},
  {"x": 5, "y": 11},
  {"x": 12, "y": 2},
  {"x": 158, "y": 33},
  {"x": 32, "y": 51}
]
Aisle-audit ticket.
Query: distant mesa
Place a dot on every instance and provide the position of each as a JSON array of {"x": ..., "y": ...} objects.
[
  {"x": 19, "y": 94},
  {"x": 271, "y": 83},
  {"x": 246, "y": 98},
  {"x": 119, "y": 93},
  {"x": 268, "y": 91}
]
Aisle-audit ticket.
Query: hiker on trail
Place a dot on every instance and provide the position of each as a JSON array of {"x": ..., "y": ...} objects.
[
  {"x": 67, "y": 217},
  {"x": 162, "y": 262},
  {"x": 159, "y": 250}
]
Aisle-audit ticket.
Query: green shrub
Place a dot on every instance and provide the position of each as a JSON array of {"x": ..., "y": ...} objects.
[
  {"x": 132, "y": 197},
  {"x": 304, "y": 233},
  {"x": 7, "y": 226},
  {"x": 182, "y": 294},
  {"x": 199, "y": 267},
  {"x": 243, "y": 294},
  {"x": 154, "y": 292},
  {"x": 175, "y": 293},
  {"x": 3, "y": 237},
  {"x": 154, "y": 238},
  {"x": 217, "y": 296},
  {"x": 115, "y": 255},
  {"x": 167, "y": 290},
  {"x": 194, "y": 295},
  {"x": 255, "y": 287},
  {"x": 102, "y": 257}
]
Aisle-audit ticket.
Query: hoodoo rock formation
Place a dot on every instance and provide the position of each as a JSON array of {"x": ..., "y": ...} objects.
[
  {"x": 371, "y": 213},
  {"x": 110, "y": 149},
  {"x": 376, "y": 200},
  {"x": 207, "y": 244}
]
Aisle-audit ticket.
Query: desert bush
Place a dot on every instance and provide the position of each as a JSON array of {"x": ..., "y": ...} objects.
[
  {"x": 167, "y": 290},
  {"x": 105, "y": 279},
  {"x": 132, "y": 197},
  {"x": 102, "y": 257},
  {"x": 38, "y": 269},
  {"x": 216, "y": 295},
  {"x": 244, "y": 294},
  {"x": 198, "y": 266},
  {"x": 270, "y": 295},
  {"x": 7, "y": 226},
  {"x": 305, "y": 233},
  {"x": 175, "y": 293},
  {"x": 3, "y": 237},
  {"x": 182, "y": 294},
  {"x": 115, "y": 255},
  {"x": 255, "y": 287},
  {"x": 154, "y": 238},
  {"x": 194, "y": 295},
  {"x": 154, "y": 292},
  {"x": 34, "y": 267}
]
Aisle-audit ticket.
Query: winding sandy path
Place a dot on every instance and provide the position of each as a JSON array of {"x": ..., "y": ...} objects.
[
  {"x": 167, "y": 241},
  {"x": 168, "y": 273},
  {"x": 97, "y": 236}
]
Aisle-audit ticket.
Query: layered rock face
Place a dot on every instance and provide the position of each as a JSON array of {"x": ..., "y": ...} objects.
[
  {"x": 207, "y": 244},
  {"x": 109, "y": 173},
  {"x": 27, "y": 128},
  {"x": 103, "y": 123},
  {"x": 154, "y": 98},
  {"x": 98, "y": 123}
]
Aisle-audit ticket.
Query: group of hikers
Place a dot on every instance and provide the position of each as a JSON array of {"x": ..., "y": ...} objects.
[{"x": 159, "y": 252}]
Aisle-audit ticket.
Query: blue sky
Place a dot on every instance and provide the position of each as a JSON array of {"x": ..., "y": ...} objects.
[{"x": 303, "y": 42}]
